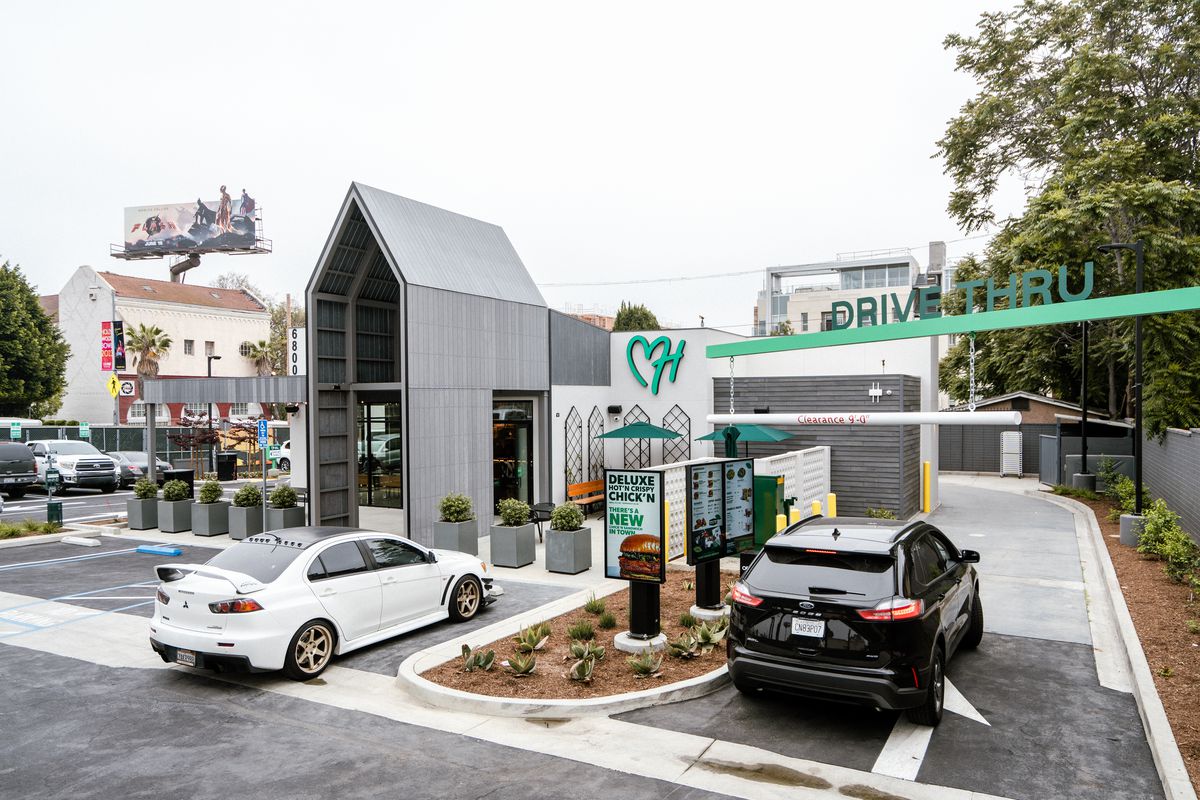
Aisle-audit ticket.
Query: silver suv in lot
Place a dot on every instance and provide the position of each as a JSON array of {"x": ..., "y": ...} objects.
[{"x": 79, "y": 464}]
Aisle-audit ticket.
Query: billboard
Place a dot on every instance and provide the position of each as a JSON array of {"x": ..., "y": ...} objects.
[
  {"x": 196, "y": 226},
  {"x": 634, "y": 535}
]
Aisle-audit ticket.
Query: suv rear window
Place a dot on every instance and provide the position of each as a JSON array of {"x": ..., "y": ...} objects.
[
  {"x": 792, "y": 570},
  {"x": 10, "y": 451},
  {"x": 263, "y": 562}
]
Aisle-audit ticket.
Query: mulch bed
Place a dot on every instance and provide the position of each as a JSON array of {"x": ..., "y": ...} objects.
[
  {"x": 1161, "y": 611},
  {"x": 612, "y": 675}
]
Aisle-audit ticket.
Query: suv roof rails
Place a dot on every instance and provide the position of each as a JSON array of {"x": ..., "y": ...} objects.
[
  {"x": 797, "y": 526},
  {"x": 905, "y": 530}
]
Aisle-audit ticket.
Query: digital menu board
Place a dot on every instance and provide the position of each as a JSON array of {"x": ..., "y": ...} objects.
[
  {"x": 739, "y": 506},
  {"x": 705, "y": 512}
]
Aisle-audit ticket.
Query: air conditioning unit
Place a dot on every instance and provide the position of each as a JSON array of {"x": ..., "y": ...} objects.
[{"x": 1010, "y": 453}]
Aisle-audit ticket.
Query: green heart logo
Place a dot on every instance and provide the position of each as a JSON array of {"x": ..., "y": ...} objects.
[{"x": 649, "y": 348}]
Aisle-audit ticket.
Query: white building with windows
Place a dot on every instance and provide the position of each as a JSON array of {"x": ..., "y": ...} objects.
[{"x": 202, "y": 322}]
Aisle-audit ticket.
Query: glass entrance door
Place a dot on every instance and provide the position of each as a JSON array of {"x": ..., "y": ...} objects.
[
  {"x": 512, "y": 450},
  {"x": 380, "y": 455}
]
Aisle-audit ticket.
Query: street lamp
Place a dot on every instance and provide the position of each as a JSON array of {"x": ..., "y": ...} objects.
[
  {"x": 212, "y": 466},
  {"x": 1138, "y": 249}
]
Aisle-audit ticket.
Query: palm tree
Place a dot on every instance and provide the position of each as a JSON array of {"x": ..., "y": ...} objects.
[
  {"x": 148, "y": 345},
  {"x": 259, "y": 354}
]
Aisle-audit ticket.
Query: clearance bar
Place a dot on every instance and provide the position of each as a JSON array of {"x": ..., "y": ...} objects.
[
  {"x": 867, "y": 418},
  {"x": 1126, "y": 305}
]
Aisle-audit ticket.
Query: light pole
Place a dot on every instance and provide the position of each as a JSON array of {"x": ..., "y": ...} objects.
[
  {"x": 1138, "y": 249},
  {"x": 212, "y": 466}
]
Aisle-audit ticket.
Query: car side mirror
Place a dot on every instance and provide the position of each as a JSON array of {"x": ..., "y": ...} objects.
[
  {"x": 968, "y": 556},
  {"x": 430, "y": 557}
]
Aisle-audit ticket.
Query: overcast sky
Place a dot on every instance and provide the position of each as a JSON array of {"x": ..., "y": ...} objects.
[{"x": 611, "y": 141}]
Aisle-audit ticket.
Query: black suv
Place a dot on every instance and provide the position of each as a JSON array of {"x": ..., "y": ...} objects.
[{"x": 856, "y": 610}]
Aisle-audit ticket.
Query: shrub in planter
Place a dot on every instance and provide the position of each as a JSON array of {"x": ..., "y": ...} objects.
[
  {"x": 283, "y": 512},
  {"x": 210, "y": 517},
  {"x": 142, "y": 508},
  {"x": 175, "y": 508},
  {"x": 513, "y": 540},
  {"x": 246, "y": 516},
  {"x": 568, "y": 543},
  {"x": 456, "y": 528}
]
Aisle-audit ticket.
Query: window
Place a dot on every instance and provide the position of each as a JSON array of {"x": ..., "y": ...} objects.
[
  {"x": 244, "y": 349},
  {"x": 239, "y": 409},
  {"x": 779, "y": 304},
  {"x": 827, "y": 319},
  {"x": 792, "y": 570},
  {"x": 898, "y": 276},
  {"x": 875, "y": 277},
  {"x": 927, "y": 563},
  {"x": 195, "y": 409},
  {"x": 852, "y": 279},
  {"x": 342, "y": 559},
  {"x": 210, "y": 348},
  {"x": 394, "y": 553},
  {"x": 189, "y": 347},
  {"x": 261, "y": 561},
  {"x": 803, "y": 321},
  {"x": 137, "y": 411}
]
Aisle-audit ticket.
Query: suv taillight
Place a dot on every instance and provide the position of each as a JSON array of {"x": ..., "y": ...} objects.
[
  {"x": 742, "y": 595},
  {"x": 239, "y": 606},
  {"x": 893, "y": 609}
]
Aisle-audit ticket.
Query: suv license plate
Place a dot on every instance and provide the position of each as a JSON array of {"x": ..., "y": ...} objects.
[
  {"x": 808, "y": 627},
  {"x": 185, "y": 657}
]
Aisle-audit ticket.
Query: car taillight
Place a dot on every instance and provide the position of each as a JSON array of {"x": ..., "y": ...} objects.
[
  {"x": 239, "y": 606},
  {"x": 161, "y": 596},
  {"x": 135, "y": 470},
  {"x": 742, "y": 595},
  {"x": 893, "y": 610}
]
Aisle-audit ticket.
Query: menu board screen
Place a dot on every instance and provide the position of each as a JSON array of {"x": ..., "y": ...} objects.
[
  {"x": 739, "y": 506},
  {"x": 705, "y": 512}
]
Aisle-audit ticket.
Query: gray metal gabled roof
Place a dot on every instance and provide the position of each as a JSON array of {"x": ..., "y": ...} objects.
[{"x": 443, "y": 250}]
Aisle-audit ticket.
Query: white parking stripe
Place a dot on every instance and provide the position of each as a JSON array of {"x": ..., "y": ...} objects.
[{"x": 904, "y": 750}]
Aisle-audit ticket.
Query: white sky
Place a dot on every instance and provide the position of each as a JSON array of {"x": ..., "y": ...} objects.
[{"x": 611, "y": 141}]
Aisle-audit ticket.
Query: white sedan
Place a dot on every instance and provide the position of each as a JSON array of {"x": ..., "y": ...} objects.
[{"x": 292, "y": 599}]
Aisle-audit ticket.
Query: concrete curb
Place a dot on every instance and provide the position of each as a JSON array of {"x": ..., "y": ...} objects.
[
  {"x": 70, "y": 529},
  {"x": 409, "y": 679},
  {"x": 1177, "y": 785}
]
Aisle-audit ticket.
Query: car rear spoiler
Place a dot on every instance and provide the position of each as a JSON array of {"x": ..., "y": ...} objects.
[{"x": 241, "y": 582}]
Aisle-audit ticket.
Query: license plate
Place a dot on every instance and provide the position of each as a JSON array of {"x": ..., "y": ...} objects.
[
  {"x": 808, "y": 627},
  {"x": 10, "y": 480},
  {"x": 185, "y": 657}
]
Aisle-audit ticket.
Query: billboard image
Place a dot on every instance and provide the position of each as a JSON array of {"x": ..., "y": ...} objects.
[
  {"x": 634, "y": 536},
  {"x": 196, "y": 226}
]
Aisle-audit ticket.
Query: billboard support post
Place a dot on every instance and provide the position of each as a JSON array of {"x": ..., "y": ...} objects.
[{"x": 644, "y": 610}]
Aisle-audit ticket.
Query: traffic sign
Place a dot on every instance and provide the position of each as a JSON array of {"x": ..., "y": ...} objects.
[
  {"x": 85, "y": 430},
  {"x": 51, "y": 478},
  {"x": 14, "y": 431},
  {"x": 128, "y": 388},
  {"x": 262, "y": 433},
  {"x": 114, "y": 385}
]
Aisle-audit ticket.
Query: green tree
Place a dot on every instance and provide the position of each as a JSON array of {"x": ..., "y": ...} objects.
[
  {"x": 632, "y": 317},
  {"x": 33, "y": 355},
  {"x": 783, "y": 329},
  {"x": 278, "y": 338},
  {"x": 260, "y": 356},
  {"x": 1096, "y": 106},
  {"x": 147, "y": 345}
]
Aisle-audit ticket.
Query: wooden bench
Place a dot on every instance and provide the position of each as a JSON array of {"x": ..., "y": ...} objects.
[{"x": 586, "y": 494}]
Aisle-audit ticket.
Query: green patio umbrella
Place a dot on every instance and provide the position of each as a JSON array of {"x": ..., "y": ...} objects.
[
  {"x": 746, "y": 433},
  {"x": 639, "y": 430}
]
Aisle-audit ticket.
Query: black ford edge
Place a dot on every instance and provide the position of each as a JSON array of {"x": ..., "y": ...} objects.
[{"x": 856, "y": 610}]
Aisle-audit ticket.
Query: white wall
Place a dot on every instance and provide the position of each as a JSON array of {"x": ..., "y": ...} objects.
[{"x": 79, "y": 316}]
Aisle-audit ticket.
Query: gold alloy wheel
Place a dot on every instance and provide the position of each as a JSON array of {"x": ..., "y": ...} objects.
[
  {"x": 313, "y": 649},
  {"x": 466, "y": 599}
]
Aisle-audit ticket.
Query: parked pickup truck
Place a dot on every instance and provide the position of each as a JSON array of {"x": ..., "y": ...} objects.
[
  {"x": 79, "y": 464},
  {"x": 18, "y": 470}
]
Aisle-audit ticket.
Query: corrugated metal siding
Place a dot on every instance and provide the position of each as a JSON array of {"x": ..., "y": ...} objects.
[
  {"x": 460, "y": 340},
  {"x": 875, "y": 467},
  {"x": 269, "y": 389},
  {"x": 1171, "y": 468},
  {"x": 449, "y": 450},
  {"x": 579, "y": 352},
  {"x": 443, "y": 250}
]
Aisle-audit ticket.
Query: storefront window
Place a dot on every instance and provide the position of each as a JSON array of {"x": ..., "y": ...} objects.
[
  {"x": 380, "y": 456},
  {"x": 512, "y": 449}
]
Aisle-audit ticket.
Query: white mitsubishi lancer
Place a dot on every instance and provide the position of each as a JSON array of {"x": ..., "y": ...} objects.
[{"x": 292, "y": 599}]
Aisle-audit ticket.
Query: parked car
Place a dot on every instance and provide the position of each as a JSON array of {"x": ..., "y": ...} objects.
[
  {"x": 18, "y": 469},
  {"x": 283, "y": 456},
  {"x": 271, "y": 603},
  {"x": 856, "y": 610},
  {"x": 387, "y": 454},
  {"x": 132, "y": 464},
  {"x": 79, "y": 464}
]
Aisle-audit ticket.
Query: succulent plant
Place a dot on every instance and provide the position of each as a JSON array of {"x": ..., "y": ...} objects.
[
  {"x": 709, "y": 636},
  {"x": 689, "y": 585},
  {"x": 582, "y": 629},
  {"x": 521, "y": 664},
  {"x": 594, "y": 606},
  {"x": 530, "y": 639},
  {"x": 645, "y": 664},
  {"x": 477, "y": 659},
  {"x": 543, "y": 629},
  {"x": 684, "y": 647},
  {"x": 586, "y": 649},
  {"x": 607, "y": 621},
  {"x": 582, "y": 670}
]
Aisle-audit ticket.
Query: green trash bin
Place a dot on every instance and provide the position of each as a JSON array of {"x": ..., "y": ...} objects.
[
  {"x": 768, "y": 503},
  {"x": 54, "y": 512}
]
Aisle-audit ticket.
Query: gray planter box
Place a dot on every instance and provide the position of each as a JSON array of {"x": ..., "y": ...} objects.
[
  {"x": 175, "y": 515},
  {"x": 279, "y": 518},
  {"x": 569, "y": 552},
  {"x": 513, "y": 546},
  {"x": 210, "y": 519},
  {"x": 143, "y": 514},
  {"x": 245, "y": 521},
  {"x": 460, "y": 536}
]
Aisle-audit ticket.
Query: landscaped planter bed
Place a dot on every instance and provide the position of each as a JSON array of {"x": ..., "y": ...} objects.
[{"x": 612, "y": 675}]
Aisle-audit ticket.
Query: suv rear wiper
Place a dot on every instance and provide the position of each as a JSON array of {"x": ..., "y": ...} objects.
[{"x": 828, "y": 590}]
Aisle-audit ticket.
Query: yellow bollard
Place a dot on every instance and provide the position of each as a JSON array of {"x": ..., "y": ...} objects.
[
  {"x": 831, "y": 504},
  {"x": 816, "y": 508},
  {"x": 780, "y": 522},
  {"x": 926, "y": 489},
  {"x": 794, "y": 516}
]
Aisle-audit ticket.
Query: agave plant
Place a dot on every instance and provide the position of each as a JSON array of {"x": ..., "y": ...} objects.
[
  {"x": 646, "y": 664},
  {"x": 586, "y": 649},
  {"x": 521, "y": 664},
  {"x": 582, "y": 670},
  {"x": 684, "y": 647},
  {"x": 594, "y": 605},
  {"x": 707, "y": 636},
  {"x": 477, "y": 659},
  {"x": 543, "y": 629},
  {"x": 530, "y": 639}
]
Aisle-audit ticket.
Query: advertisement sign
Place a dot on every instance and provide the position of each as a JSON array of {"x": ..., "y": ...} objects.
[
  {"x": 127, "y": 389},
  {"x": 705, "y": 512},
  {"x": 634, "y": 535},
  {"x": 739, "y": 506},
  {"x": 297, "y": 356},
  {"x": 197, "y": 226},
  {"x": 118, "y": 345},
  {"x": 106, "y": 346}
]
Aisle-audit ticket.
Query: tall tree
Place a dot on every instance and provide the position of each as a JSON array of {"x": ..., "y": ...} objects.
[
  {"x": 278, "y": 338},
  {"x": 147, "y": 345},
  {"x": 33, "y": 355},
  {"x": 1096, "y": 106},
  {"x": 632, "y": 317},
  {"x": 259, "y": 355}
]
